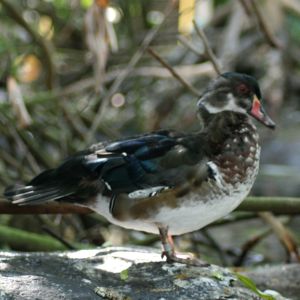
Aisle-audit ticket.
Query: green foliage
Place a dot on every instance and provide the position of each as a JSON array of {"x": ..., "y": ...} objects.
[
  {"x": 86, "y": 3},
  {"x": 293, "y": 25},
  {"x": 249, "y": 283},
  {"x": 220, "y": 2},
  {"x": 124, "y": 275}
]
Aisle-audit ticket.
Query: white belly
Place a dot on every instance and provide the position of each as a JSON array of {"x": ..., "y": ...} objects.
[
  {"x": 194, "y": 215},
  {"x": 197, "y": 214}
]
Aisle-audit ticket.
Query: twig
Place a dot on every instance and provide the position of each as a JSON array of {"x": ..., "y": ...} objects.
[
  {"x": 122, "y": 75},
  {"x": 25, "y": 149},
  {"x": 283, "y": 234},
  {"x": 247, "y": 7},
  {"x": 10, "y": 159},
  {"x": 75, "y": 122},
  {"x": 82, "y": 85},
  {"x": 59, "y": 238},
  {"x": 271, "y": 39},
  {"x": 184, "y": 41},
  {"x": 186, "y": 71},
  {"x": 208, "y": 50},
  {"x": 174, "y": 73},
  {"x": 34, "y": 150},
  {"x": 292, "y": 5},
  {"x": 216, "y": 247},
  {"x": 249, "y": 245},
  {"x": 36, "y": 37}
]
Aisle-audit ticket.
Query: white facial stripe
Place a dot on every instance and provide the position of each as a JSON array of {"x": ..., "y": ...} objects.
[{"x": 230, "y": 106}]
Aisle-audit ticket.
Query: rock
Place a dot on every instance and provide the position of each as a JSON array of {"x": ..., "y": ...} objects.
[{"x": 115, "y": 273}]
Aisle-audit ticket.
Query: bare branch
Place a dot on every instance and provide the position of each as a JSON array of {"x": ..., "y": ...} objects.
[
  {"x": 247, "y": 7},
  {"x": 249, "y": 245},
  {"x": 183, "y": 40},
  {"x": 280, "y": 205},
  {"x": 53, "y": 208},
  {"x": 174, "y": 73},
  {"x": 283, "y": 234},
  {"x": 271, "y": 39},
  {"x": 53, "y": 234},
  {"x": 208, "y": 50},
  {"x": 292, "y": 5}
]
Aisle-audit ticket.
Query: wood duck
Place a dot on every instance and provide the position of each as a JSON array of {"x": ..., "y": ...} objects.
[{"x": 166, "y": 182}]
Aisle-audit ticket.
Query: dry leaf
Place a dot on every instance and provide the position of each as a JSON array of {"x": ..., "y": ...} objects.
[
  {"x": 97, "y": 40},
  {"x": 16, "y": 98},
  {"x": 29, "y": 69}
]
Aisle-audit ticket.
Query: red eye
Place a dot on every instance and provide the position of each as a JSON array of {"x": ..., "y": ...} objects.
[{"x": 243, "y": 89}]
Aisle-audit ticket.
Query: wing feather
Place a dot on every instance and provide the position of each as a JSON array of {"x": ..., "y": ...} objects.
[{"x": 141, "y": 166}]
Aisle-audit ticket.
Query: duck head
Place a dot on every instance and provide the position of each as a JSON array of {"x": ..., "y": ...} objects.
[{"x": 235, "y": 92}]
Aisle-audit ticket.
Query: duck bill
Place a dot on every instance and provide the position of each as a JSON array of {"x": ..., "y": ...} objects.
[{"x": 258, "y": 112}]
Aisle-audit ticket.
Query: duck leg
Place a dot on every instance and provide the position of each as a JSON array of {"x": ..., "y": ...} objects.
[{"x": 171, "y": 255}]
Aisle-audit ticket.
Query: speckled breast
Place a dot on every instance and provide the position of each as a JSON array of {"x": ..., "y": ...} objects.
[{"x": 239, "y": 160}]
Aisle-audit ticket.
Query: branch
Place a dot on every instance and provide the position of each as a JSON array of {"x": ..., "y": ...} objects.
[
  {"x": 247, "y": 7},
  {"x": 208, "y": 50},
  {"x": 184, "y": 41},
  {"x": 249, "y": 245},
  {"x": 28, "y": 240},
  {"x": 32, "y": 241},
  {"x": 292, "y": 5},
  {"x": 53, "y": 208},
  {"x": 174, "y": 73},
  {"x": 57, "y": 237},
  {"x": 283, "y": 234},
  {"x": 215, "y": 245},
  {"x": 271, "y": 39},
  {"x": 278, "y": 205}
]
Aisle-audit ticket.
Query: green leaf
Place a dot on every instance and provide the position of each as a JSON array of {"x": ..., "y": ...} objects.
[
  {"x": 249, "y": 283},
  {"x": 124, "y": 274},
  {"x": 86, "y": 3}
]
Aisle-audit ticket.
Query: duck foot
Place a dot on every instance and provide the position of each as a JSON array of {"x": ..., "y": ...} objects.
[{"x": 172, "y": 256}]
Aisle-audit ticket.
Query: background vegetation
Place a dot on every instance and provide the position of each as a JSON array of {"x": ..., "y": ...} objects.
[{"x": 76, "y": 72}]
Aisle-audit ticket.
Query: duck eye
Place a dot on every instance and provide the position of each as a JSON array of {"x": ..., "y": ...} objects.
[{"x": 243, "y": 89}]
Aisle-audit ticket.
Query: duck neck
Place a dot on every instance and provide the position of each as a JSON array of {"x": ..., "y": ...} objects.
[{"x": 224, "y": 126}]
